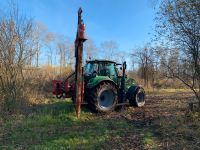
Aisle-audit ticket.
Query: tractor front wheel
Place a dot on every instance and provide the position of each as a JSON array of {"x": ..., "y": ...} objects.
[
  {"x": 103, "y": 98},
  {"x": 138, "y": 98}
]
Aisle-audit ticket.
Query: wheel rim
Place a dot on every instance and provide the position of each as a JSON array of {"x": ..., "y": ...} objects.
[
  {"x": 140, "y": 97},
  {"x": 106, "y": 99}
]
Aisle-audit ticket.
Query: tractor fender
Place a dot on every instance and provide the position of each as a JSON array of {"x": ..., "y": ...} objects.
[
  {"x": 132, "y": 90},
  {"x": 98, "y": 80}
]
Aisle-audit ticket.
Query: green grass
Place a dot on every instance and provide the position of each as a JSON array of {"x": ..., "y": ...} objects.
[
  {"x": 55, "y": 126},
  {"x": 148, "y": 140}
]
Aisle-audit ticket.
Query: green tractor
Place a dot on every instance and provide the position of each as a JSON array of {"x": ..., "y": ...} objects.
[
  {"x": 104, "y": 87},
  {"x": 99, "y": 84}
]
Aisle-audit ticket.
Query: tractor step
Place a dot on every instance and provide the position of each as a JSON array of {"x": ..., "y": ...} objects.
[{"x": 121, "y": 104}]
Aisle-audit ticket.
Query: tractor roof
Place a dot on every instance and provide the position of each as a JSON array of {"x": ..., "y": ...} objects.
[{"x": 102, "y": 60}]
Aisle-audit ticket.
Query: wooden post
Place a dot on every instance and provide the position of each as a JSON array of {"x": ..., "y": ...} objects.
[
  {"x": 79, "y": 73},
  {"x": 78, "y": 79}
]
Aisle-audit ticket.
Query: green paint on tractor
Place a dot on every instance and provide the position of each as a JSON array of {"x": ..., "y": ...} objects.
[
  {"x": 93, "y": 82},
  {"x": 106, "y": 86}
]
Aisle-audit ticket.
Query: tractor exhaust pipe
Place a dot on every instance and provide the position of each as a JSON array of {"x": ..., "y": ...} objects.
[{"x": 123, "y": 93}]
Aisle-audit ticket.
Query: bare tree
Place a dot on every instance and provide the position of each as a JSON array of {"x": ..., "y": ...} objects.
[
  {"x": 146, "y": 64},
  {"x": 16, "y": 49},
  {"x": 121, "y": 56},
  {"x": 90, "y": 50},
  {"x": 39, "y": 34},
  {"x": 178, "y": 28},
  {"x": 66, "y": 51},
  {"x": 48, "y": 42},
  {"x": 109, "y": 49}
]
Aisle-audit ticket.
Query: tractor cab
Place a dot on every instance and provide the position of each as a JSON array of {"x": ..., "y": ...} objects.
[
  {"x": 95, "y": 68},
  {"x": 105, "y": 87}
]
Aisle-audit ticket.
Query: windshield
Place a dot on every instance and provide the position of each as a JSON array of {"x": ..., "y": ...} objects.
[
  {"x": 91, "y": 68},
  {"x": 108, "y": 69}
]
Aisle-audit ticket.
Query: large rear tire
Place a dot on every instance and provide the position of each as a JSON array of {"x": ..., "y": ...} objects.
[
  {"x": 138, "y": 98},
  {"x": 103, "y": 98}
]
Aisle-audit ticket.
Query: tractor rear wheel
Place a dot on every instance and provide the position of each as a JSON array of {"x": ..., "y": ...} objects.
[
  {"x": 103, "y": 98},
  {"x": 138, "y": 98}
]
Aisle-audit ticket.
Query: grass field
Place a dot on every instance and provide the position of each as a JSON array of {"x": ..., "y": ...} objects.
[{"x": 161, "y": 124}]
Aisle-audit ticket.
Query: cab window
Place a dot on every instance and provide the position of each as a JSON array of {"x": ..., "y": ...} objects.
[
  {"x": 91, "y": 68},
  {"x": 110, "y": 69}
]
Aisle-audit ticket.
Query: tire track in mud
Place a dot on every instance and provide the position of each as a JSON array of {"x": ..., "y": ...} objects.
[
  {"x": 156, "y": 106},
  {"x": 146, "y": 119}
]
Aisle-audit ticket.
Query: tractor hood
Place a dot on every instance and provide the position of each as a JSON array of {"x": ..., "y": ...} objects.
[
  {"x": 130, "y": 82},
  {"x": 92, "y": 82}
]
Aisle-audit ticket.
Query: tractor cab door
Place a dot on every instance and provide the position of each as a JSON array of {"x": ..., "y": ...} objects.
[{"x": 108, "y": 69}]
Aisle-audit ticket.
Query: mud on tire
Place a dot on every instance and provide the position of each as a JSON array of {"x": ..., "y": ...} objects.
[
  {"x": 103, "y": 98},
  {"x": 138, "y": 98}
]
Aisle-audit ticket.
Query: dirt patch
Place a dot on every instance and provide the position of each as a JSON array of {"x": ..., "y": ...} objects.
[
  {"x": 157, "y": 106},
  {"x": 154, "y": 125}
]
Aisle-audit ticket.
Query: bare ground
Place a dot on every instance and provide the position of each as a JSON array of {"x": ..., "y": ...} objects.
[{"x": 157, "y": 125}]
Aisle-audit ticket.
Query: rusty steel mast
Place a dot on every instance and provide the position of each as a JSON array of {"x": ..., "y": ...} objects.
[{"x": 80, "y": 39}]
